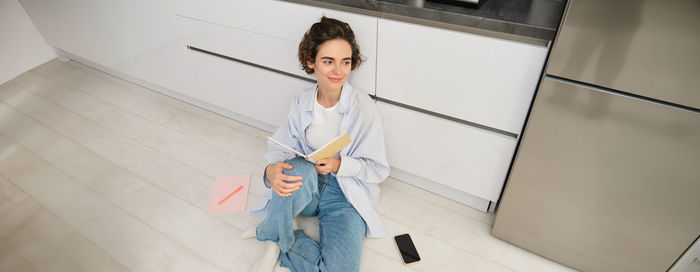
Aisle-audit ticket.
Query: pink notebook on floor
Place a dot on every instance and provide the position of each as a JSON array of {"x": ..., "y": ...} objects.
[{"x": 230, "y": 194}]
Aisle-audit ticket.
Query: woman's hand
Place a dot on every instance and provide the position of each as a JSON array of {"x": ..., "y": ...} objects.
[
  {"x": 279, "y": 181},
  {"x": 327, "y": 165}
]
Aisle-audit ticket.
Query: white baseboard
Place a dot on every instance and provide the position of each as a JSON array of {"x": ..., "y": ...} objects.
[
  {"x": 686, "y": 260},
  {"x": 62, "y": 58},
  {"x": 446, "y": 191}
]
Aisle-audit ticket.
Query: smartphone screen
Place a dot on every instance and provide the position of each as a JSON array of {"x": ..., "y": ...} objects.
[{"x": 407, "y": 249}]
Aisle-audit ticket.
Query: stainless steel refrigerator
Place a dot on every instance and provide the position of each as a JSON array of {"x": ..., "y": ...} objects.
[{"x": 607, "y": 173}]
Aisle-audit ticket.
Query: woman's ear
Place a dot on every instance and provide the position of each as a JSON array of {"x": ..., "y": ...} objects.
[{"x": 310, "y": 64}]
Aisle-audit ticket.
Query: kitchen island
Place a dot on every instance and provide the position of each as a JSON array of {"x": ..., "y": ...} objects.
[{"x": 464, "y": 77}]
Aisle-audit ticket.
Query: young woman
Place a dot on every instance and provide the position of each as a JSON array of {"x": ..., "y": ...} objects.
[{"x": 341, "y": 190}]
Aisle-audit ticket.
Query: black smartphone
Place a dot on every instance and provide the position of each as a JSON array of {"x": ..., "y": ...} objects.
[{"x": 409, "y": 254}]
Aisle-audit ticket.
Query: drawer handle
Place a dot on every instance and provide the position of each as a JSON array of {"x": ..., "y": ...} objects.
[
  {"x": 250, "y": 63},
  {"x": 447, "y": 117}
]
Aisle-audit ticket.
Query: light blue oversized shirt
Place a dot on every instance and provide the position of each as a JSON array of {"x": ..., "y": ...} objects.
[{"x": 363, "y": 162}]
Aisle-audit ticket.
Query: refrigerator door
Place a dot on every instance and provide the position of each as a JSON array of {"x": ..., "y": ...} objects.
[
  {"x": 657, "y": 43},
  {"x": 603, "y": 182}
]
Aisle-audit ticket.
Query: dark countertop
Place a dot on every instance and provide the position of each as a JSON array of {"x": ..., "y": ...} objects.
[{"x": 533, "y": 21}]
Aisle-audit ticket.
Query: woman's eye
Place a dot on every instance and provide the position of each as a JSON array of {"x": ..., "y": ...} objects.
[
  {"x": 327, "y": 62},
  {"x": 347, "y": 63}
]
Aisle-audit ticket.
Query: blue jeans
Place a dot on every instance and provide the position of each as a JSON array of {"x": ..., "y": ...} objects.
[{"x": 342, "y": 229}]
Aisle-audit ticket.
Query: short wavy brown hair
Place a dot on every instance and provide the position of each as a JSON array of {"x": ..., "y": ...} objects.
[{"x": 322, "y": 31}]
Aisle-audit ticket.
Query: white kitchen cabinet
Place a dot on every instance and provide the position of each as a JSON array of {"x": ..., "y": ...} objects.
[
  {"x": 242, "y": 45},
  {"x": 268, "y": 32},
  {"x": 479, "y": 79},
  {"x": 255, "y": 93},
  {"x": 85, "y": 28},
  {"x": 152, "y": 40},
  {"x": 462, "y": 157}
]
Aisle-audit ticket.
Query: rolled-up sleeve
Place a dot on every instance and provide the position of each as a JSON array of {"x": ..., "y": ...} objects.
[
  {"x": 349, "y": 166},
  {"x": 365, "y": 160}
]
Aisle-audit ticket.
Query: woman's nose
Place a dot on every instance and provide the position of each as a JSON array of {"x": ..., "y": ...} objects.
[{"x": 337, "y": 68}]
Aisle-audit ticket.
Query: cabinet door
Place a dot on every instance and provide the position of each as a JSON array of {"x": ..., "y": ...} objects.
[
  {"x": 281, "y": 25},
  {"x": 242, "y": 45},
  {"x": 151, "y": 37},
  {"x": 85, "y": 28},
  {"x": 252, "y": 92},
  {"x": 465, "y": 158},
  {"x": 278, "y": 19},
  {"x": 484, "y": 80}
]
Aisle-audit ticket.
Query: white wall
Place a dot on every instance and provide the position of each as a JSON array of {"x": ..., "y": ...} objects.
[{"x": 21, "y": 46}]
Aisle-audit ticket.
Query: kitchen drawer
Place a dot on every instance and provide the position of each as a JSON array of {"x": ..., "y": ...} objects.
[
  {"x": 271, "y": 52},
  {"x": 278, "y": 19},
  {"x": 252, "y": 92},
  {"x": 243, "y": 45},
  {"x": 462, "y": 157},
  {"x": 484, "y": 80}
]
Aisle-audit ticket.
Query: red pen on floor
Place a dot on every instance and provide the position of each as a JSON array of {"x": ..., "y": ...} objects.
[{"x": 231, "y": 194}]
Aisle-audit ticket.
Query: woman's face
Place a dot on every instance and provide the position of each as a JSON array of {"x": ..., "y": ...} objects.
[{"x": 332, "y": 64}]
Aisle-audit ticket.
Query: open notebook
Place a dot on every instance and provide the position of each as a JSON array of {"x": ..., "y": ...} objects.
[{"x": 326, "y": 151}]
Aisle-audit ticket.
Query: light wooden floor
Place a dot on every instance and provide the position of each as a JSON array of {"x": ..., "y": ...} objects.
[{"x": 98, "y": 174}]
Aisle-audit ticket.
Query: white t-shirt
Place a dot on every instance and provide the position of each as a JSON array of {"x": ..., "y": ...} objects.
[{"x": 325, "y": 126}]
